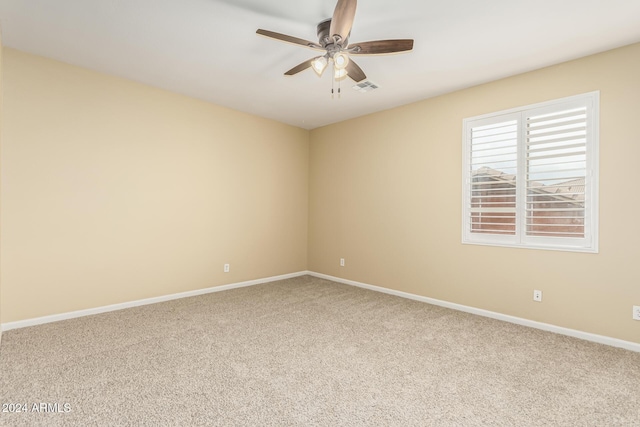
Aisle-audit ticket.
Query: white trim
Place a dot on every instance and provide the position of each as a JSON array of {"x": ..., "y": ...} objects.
[
  {"x": 104, "y": 309},
  {"x": 600, "y": 339}
]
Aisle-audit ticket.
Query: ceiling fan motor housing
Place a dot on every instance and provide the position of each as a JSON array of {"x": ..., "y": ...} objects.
[{"x": 325, "y": 39}]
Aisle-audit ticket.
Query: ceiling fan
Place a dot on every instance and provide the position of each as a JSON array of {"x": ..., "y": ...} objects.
[{"x": 333, "y": 38}]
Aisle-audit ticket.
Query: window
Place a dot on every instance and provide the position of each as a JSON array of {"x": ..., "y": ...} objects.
[{"x": 531, "y": 176}]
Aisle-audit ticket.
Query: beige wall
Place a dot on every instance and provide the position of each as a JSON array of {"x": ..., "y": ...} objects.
[
  {"x": 385, "y": 194},
  {"x": 114, "y": 191}
]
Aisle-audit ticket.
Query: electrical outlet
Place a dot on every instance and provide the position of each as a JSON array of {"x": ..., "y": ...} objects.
[
  {"x": 341, "y": 262},
  {"x": 226, "y": 268},
  {"x": 537, "y": 296},
  {"x": 636, "y": 312}
]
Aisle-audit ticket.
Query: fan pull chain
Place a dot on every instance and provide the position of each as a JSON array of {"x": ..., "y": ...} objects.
[{"x": 333, "y": 91}]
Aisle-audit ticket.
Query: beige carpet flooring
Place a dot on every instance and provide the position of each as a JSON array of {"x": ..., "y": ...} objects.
[{"x": 310, "y": 352}]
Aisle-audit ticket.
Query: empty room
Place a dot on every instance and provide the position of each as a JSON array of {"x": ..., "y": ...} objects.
[{"x": 319, "y": 213}]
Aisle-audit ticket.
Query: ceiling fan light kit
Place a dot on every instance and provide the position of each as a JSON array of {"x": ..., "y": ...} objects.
[
  {"x": 339, "y": 74},
  {"x": 319, "y": 64},
  {"x": 340, "y": 60},
  {"x": 333, "y": 38}
]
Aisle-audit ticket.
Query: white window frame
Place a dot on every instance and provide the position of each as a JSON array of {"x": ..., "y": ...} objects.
[{"x": 520, "y": 240}]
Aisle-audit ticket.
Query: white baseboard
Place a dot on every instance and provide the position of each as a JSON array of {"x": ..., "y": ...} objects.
[
  {"x": 600, "y": 339},
  {"x": 88, "y": 312}
]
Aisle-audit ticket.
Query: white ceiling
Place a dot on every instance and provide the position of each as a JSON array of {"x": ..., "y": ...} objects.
[{"x": 208, "y": 49}]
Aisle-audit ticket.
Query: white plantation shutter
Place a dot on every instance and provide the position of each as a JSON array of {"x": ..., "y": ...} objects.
[
  {"x": 493, "y": 166},
  {"x": 530, "y": 176},
  {"x": 556, "y": 172}
]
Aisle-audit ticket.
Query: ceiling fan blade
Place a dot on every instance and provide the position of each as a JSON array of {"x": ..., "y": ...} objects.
[
  {"x": 289, "y": 39},
  {"x": 342, "y": 20},
  {"x": 300, "y": 67},
  {"x": 355, "y": 72},
  {"x": 380, "y": 47}
]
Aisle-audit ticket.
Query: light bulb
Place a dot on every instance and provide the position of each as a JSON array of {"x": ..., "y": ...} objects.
[
  {"x": 319, "y": 64},
  {"x": 340, "y": 60},
  {"x": 340, "y": 74}
]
